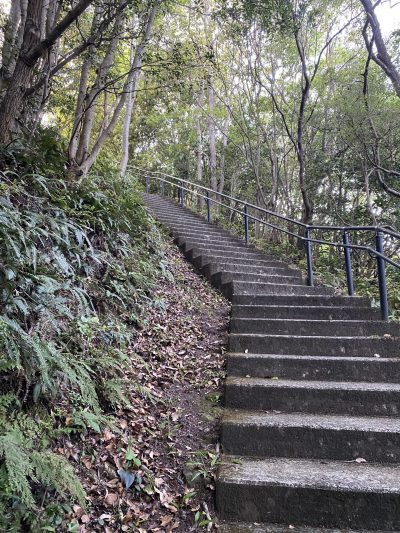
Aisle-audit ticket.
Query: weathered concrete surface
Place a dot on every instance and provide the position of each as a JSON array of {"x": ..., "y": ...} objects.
[
  {"x": 303, "y": 300},
  {"x": 327, "y": 368},
  {"x": 353, "y": 346},
  {"x": 313, "y": 387},
  {"x": 300, "y": 435},
  {"x": 319, "y": 494},
  {"x": 298, "y": 312},
  {"x": 339, "y": 328},
  {"x": 276, "y": 528},
  {"x": 351, "y": 398}
]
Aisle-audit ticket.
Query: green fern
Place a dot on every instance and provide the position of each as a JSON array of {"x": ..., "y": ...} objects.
[{"x": 78, "y": 261}]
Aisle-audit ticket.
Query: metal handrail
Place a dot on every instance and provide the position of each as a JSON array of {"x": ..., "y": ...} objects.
[
  {"x": 383, "y": 229},
  {"x": 207, "y": 194}
]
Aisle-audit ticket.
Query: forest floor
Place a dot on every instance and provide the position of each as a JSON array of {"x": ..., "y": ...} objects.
[{"x": 153, "y": 471}]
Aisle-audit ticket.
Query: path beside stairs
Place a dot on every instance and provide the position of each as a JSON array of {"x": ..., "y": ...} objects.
[{"x": 311, "y": 430}]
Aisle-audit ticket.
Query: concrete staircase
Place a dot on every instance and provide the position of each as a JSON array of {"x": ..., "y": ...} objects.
[{"x": 311, "y": 431}]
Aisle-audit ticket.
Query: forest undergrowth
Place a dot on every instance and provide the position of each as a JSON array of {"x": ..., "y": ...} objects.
[
  {"x": 80, "y": 260},
  {"x": 154, "y": 471}
]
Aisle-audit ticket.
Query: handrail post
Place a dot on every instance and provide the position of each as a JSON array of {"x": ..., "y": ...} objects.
[
  {"x": 347, "y": 258},
  {"x": 208, "y": 206},
  {"x": 147, "y": 184},
  {"x": 162, "y": 186},
  {"x": 382, "y": 277},
  {"x": 182, "y": 195},
  {"x": 246, "y": 224},
  {"x": 310, "y": 274}
]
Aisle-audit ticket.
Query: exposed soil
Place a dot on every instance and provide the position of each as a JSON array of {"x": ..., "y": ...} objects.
[{"x": 169, "y": 435}]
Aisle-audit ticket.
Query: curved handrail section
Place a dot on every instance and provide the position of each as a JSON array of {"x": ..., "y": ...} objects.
[{"x": 304, "y": 233}]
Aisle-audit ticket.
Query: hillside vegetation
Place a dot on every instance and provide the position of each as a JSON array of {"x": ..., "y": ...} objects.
[
  {"x": 293, "y": 106},
  {"x": 78, "y": 260}
]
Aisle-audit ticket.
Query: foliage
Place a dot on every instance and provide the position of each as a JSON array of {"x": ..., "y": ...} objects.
[{"x": 78, "y": 259}]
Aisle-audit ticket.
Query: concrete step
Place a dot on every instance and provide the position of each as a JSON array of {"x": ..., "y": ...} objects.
[
  {"x": 200, "y": 228},
  {"x": 305, "y": 312},
  {"x": 202, "y": 261},
  {"x": 170, "y": 216},
  {"x": 350, "y": 346},
  {"x": 207, "y": 230},
  {"x": 233, "y": 288},
  {"x": 248, "y": 527},
  {"x": 211, "y": 239},
  {"x": 313, "y": 367},
  {"x": 302, "y": 300},
  {"x": 278, "y": 326},
  {"x": 206, "y": 238},
  {"x": 226, "y": 250},
  {"x": 213, "y": 268},
  {"x": 313, "y": 493},
  {"x": 220, "y": 278},
  {"x": 324, "y": 397},
  {"x": 210, "y": 248},
  {"x": 186, "y": 222},
  {"x": 308, "y": 436}
]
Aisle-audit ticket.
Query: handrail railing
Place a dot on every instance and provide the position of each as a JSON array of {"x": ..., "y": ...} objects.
[{"x": 210, "y": 197}]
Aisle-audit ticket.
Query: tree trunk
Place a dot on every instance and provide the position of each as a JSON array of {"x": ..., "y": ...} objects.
[
  {"x": 129, "y": 109},
  {"x": 32, "y": 49},
  {"x": 382, "y": 58},
  {"x": 211, "y": 135},
  {"x": 130, "y": 84},
  {"x": 199, "y": 147},
  {"x": 96, "y": 90},
  {"x": 11, "y": 104},
  {"x": 83, "y": 85},
  {"x": 222, "y": 163},
  {"x": 10, "y": 51}
]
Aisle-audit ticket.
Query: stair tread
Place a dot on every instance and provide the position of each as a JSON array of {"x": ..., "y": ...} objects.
[
  {"x": 305, "y": 307},
  {"x": 314, "y": 474},
  {"x": 310, "y": 320},
  {"x": 338, "y": 337},
  {"x": 361, "y": 359},
  {"x": 248, "y": 527},
  {"x": 317, "y": 421},
  {"x": 315, "y": 384}
]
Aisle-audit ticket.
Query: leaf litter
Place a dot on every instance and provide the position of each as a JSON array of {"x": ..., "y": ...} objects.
[{"x": 153, "y": 471}]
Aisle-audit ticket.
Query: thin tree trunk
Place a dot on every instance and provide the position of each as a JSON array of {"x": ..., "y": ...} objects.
[
  {"x": 94, "y": 93},
  {"x": 305, "y": 91},
  {"x": 222, "y": 162},
  {"x": 199, "y": 147},
  {"x": 211, "y": 134},
  {"x": 83, "y": 85},
  {"x": 129, "y": 109},
  {"x": 382, "y": 58},
  {"x": 130, "y": 83}
]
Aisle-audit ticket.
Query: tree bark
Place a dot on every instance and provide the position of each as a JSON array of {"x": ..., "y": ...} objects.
[
  {"x": 382, "y": 58},
  {"x": 10, "y": 106},
  {"x": 199, "y": 147},
  {"x": 211, "y": 134},
  {"x": 129, "y": 108},
  {"x": 305, "y": 91},
  {"x": 96, "y": 90},
  {"x": 83, "y": 85},
  {"x": 32, "y": 50},
  {"x": 130, "y": 84}
]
